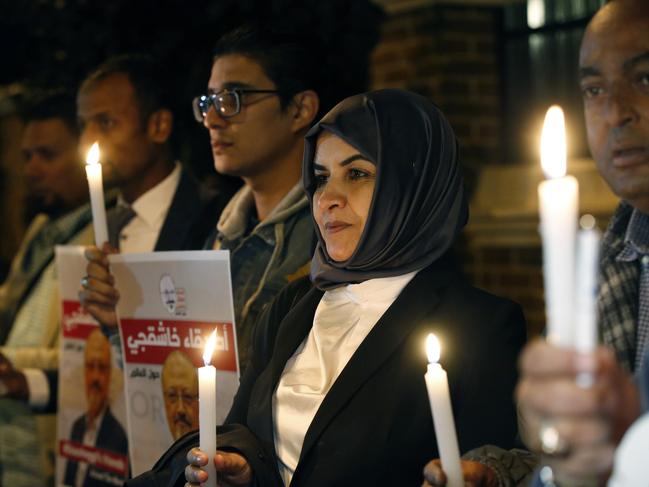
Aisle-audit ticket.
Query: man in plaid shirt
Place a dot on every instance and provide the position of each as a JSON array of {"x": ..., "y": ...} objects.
[{"x": 588, "y": 423}]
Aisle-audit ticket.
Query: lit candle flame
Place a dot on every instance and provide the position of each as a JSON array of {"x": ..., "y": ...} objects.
[
  {"x": 209, "y": 348},
  {"x": 553, "y": 143},
  {"x": 433, "y": 348},
  {"x": 93, "y": 154}
]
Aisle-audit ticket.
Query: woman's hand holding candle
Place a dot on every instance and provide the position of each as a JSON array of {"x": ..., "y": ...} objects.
[{"x": 233, "y": 468}]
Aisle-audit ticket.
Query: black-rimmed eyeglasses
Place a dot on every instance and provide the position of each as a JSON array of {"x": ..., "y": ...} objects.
[{"x": 227, "y": 103}]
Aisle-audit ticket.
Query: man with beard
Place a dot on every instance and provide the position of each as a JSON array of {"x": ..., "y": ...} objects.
[
  {"x": 29, "y": 305},
  {"x": 97, "y": 428},
  {"x": 180, "y": 393}
]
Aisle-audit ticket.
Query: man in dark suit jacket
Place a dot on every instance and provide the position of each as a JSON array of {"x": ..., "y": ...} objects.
[
  {"x": 110, "y": 436},
  {"x": 124, "y": 106},
  {"x": 97, "y": 428}
]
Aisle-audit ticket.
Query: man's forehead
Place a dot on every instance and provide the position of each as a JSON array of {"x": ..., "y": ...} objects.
[
  {"x": 51, "y": 131},
  {"x": 613, "y": 45},
  {"x": 235, "y": 70},
  {"x": 98, "y": 350},
  {"x": 113, "y": 93},
  {"x": 180, "y": 375}
]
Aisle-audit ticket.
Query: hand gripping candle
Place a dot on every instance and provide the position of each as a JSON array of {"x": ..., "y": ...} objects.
[
  {"x": 440, "y": 404},
  {"x": 207, "y": 409},
  {"x": 96, "y": 188}
]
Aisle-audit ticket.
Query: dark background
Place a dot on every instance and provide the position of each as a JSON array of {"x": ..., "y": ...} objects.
[
  {"x": 57, "y": 42},
  {"x": 491, "y": 72}
]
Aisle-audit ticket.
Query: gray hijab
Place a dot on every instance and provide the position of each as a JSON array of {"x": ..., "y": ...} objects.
[{"x": 419, "y": 205}]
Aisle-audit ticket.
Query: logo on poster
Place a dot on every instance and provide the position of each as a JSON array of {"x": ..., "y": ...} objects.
[{"x": 173, "y": 298}]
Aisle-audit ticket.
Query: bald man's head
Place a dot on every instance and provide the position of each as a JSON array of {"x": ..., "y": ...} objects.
[
  {"x": 614, "y": 78},
  {"x": 180, "y": 391},
  {"x": 624, "y": 9}
]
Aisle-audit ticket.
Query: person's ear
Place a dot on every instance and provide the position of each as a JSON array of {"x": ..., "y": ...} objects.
[
  {"x": 305, "y": 108},
  {"x": 160, "y": 125}
]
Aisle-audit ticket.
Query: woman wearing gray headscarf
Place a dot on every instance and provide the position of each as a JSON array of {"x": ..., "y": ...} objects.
[{"x": 334, "y": 394}]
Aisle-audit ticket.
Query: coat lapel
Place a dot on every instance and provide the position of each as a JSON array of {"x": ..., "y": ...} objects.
[
  {"x": 185, "y": 206},
  {"x": 412, "y": 305},
  {"x": 294, "y": 329}
]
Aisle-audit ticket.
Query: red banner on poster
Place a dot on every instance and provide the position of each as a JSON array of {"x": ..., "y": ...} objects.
[
  {"x": 103, "y": 459},
  {"x": 151, "y": 341},
  {"x": 76, "y": 322}
]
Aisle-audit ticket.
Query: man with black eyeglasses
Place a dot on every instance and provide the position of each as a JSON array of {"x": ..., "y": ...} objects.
[
  {"x": 125, "y": 107},
  {"x": 263, "y": 96}
]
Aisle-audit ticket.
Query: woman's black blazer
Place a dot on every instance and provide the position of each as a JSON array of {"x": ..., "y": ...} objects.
[{"x": 374, "y": 427}]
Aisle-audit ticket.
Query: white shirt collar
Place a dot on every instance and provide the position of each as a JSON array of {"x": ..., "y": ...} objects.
[
  {"x": 379, "y": 291},
  {"x": 93, "y": 429},
  {"x": 153, "y": 205}
]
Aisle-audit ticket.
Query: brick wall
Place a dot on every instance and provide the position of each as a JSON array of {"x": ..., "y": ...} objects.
[
  {"x": 450, "y": 53},
  {"x": 514, "y": 272}
]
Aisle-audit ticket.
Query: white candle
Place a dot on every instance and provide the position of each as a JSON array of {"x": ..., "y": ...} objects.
[
  {"x": 585, "y": 320},
  {"x": 207, "y": 409},
  {"x": 558, "y": 208},
  {"x": 440, "y": 404},
  {"x": 97, "y": 204}
]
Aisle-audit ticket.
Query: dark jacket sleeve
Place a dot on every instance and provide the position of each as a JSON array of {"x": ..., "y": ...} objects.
[
  {"x": 492, "y": 357},
  {"x": 513, "y": 468},
  {"x": 263, "y": 344},
  {"x": 482, "y": 374},
  {"x": 52, "y": 377},
  {"x": 234, "y": 436}
]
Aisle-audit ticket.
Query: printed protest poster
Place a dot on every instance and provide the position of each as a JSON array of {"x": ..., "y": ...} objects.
[
  {"x": 170, "y": 303},
  {"x": 92, "y": 444}
]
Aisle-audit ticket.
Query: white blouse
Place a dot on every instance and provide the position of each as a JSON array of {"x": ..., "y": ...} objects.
[{"x": 342, "y": 320}]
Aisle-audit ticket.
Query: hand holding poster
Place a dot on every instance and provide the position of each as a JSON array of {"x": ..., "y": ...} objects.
[
  {"x": 92, "y": 442},
  {"x": 170, "y": 302}
]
